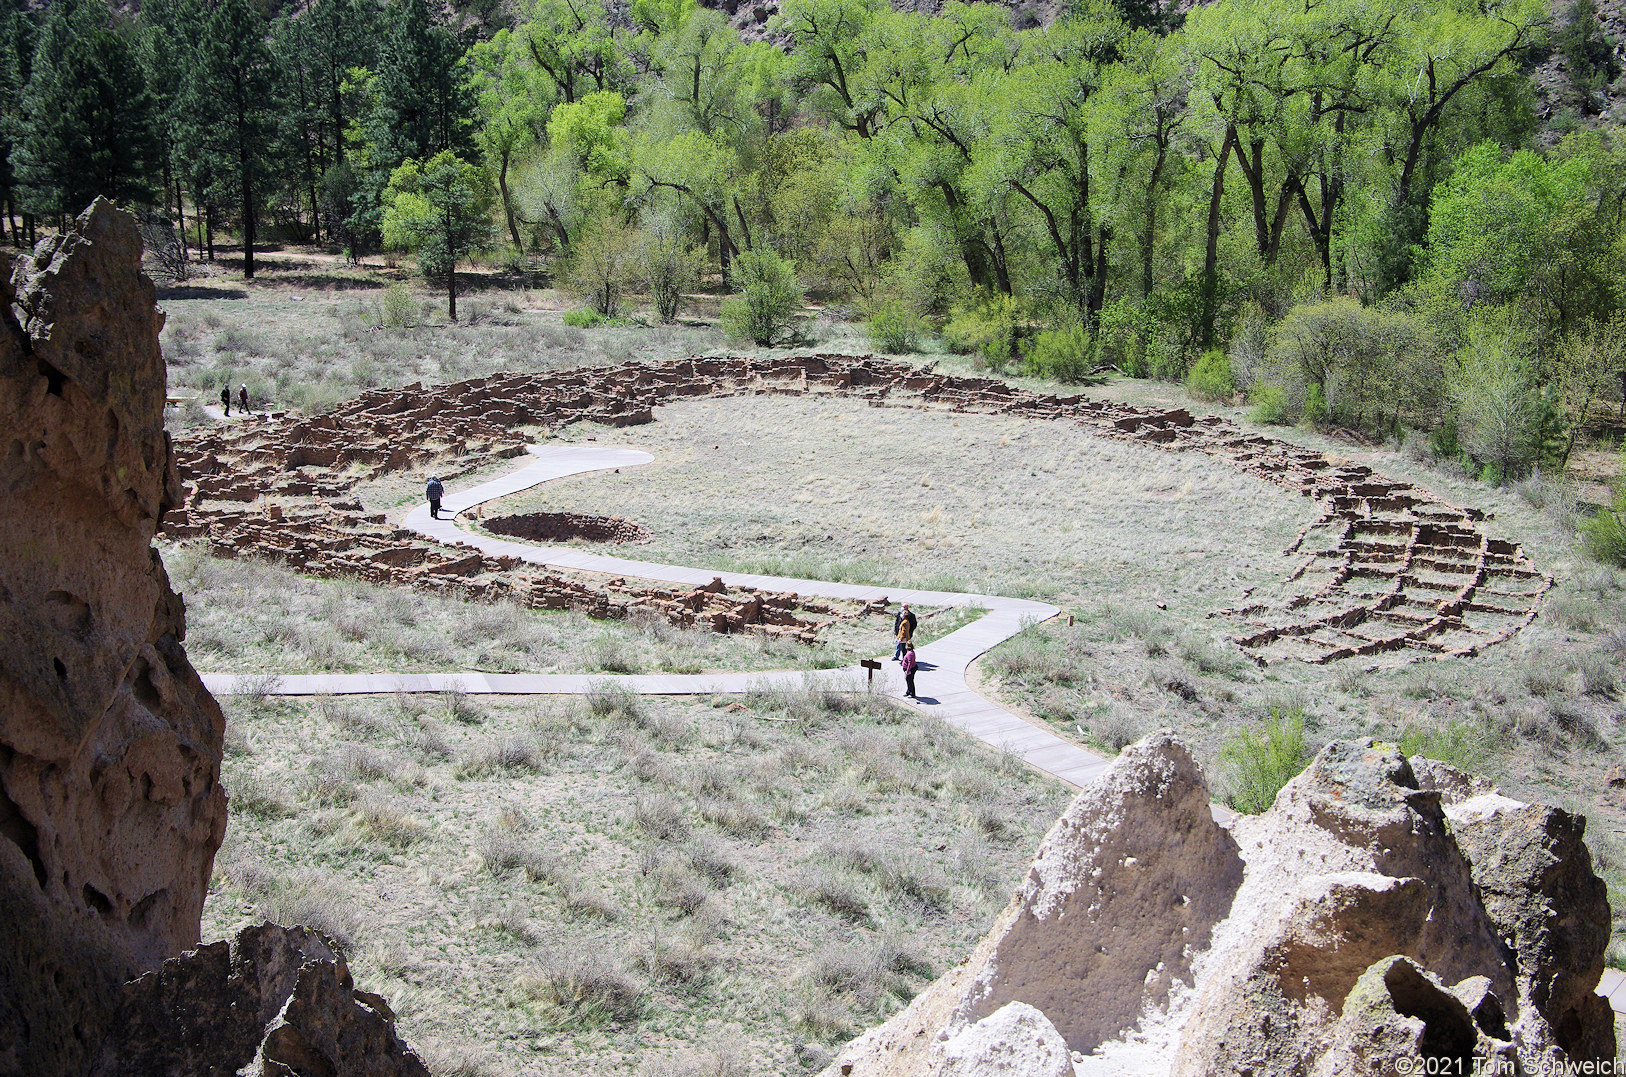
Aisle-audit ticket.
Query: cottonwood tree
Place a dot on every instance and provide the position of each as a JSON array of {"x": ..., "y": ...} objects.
[
  {"x": 1589, "y": 361},
  {"x": 440, "y": 209},
  {"x": 513, "y": 104}
]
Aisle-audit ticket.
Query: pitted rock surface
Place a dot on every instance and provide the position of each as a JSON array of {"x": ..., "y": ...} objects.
[
  {"x": 111, "y": 807},
  {"x": 1389, "y": 572},
  {"x": 274, "y": 1001},
  {"x": 1359, "y": 922}
]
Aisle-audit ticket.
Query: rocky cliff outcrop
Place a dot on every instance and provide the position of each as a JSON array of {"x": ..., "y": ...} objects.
[
  {"x": 110, "y": 800},
  {"x": 1369, "y": 916},
  {"x": 275, "y": 1001},
  {"x": 111, "y": 807}
]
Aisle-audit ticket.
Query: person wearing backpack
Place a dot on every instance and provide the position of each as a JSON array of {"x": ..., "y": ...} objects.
[{"x": 433, "y": 492}]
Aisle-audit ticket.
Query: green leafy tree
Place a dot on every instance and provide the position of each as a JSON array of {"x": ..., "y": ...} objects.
[
  {"x": 513, "y": 108},
  {"x": 1504, "y": 229},
  {"x": 1493, "y": 390},
  {"x": 829, "y": 42},
  {"x": 1590, "y": 360},
  {"x": 670, "y": 262},
  {"x": 88, "y": 125},
  {"x": 769, "y": 300},
  {"x": 575, "y": 46},
  {"x": 441, "y": 209},
  {"x": 602, "y": 264}
]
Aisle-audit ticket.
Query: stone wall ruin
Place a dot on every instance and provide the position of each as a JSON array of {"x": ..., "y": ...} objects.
[{"x": 1390, "y": 573}]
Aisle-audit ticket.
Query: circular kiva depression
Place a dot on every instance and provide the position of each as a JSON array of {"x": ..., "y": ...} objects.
[
  {"x": 828, "y": 488},
  {"x": 566, "y": 527}
]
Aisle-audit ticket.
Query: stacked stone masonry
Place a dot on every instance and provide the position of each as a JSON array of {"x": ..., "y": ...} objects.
[{"x": 1390, "y": 572}]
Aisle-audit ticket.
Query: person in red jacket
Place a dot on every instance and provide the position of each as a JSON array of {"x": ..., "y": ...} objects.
[{"x": 909, "y": 670}]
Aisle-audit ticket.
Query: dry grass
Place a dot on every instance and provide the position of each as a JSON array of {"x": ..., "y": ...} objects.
[
  {"x": 994, "y": 504},
  {"x": 250, "y": 617},
  {"x": 634, "y": 897},
  {"x": 310, "y": 331}
]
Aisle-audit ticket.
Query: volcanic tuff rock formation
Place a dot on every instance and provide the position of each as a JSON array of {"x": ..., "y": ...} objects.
[
  {"x": 274, "y": 1001},
  {"x": 110, "y": 746},
  {"x": 1367, "y": 917},
  {"x": 111, "y": 807}
]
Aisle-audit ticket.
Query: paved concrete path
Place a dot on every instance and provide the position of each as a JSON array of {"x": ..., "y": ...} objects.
[{"x": 940, "y": 683}]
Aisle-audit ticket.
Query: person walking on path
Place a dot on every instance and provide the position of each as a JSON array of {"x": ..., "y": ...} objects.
[
  {"x": 909, "y": 666},
  {"x": 225, "y": 399},
  {"x": 433, "y": 492},
  {"x": 242, "y": 398},
  {"x": 903, "y": 627}
]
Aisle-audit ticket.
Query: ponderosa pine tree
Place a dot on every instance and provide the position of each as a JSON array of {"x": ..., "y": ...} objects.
[
  {"x": 227, "y": 119},
  {"x": 422, "y": 102},
  {"x": 441, "y": 209},
  {"x": 16, "y": 58},
  {"x": 87, "y": 120}
]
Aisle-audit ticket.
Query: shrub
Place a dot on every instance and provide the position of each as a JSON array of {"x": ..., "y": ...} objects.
[
  {"x": 600, "y": 266},
  {"x": 1061, "y": 354},
  {"x": 894, "y": 328},
  {"x": 1455, "y": 743},
  {"x": 588, "y": 984},
  {"x": 1260, "y": 761},
  {"x": 1605, "y": 531},
  {"x": 397, "y": 309},
  {"x": 770, "y": 297},
  {"x": 1269, "y": 406},
  {"x": 583, "y": 318},
  {"x": 1316, "y": 411},
  {"x": 1210, "y": 377},
  {"x": 670, "y": 264},
  {"x": 990, "y": 326}
]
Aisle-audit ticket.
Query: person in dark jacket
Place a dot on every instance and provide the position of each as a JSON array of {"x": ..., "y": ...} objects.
[
  {"x": 242, "y": 398},
  {"x": 225, "y": 399},
  {"x": 905, "y": 615},
  {"x": 909, "y": 666},
  {"x": 433, "y": 492}
]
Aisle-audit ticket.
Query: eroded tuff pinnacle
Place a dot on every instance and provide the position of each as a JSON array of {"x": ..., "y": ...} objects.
[
  {"x": 1367, "y": 917},
  {"x": 111, "y": 807}
]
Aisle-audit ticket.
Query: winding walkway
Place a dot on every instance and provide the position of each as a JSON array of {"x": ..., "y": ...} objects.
[{"x": 941, "y": 681}]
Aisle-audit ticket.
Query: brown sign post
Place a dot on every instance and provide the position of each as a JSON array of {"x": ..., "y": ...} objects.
[{"x": 871, "y": 664}]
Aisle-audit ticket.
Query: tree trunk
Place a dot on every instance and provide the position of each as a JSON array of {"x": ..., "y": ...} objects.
[
  {"x": 248, "y": 227},
  {"x": 508, "y": 205},
  {"x": 209, "y": 230},
  {"x": 1002, "y": 269},
  {"x": 451, "y": 289},
  {"x": 1098, "y": 279},
  {"x": 180, "y": 214},
  {"x": 1210, "y": 284},
  {"x": 1150, "y": 243}
]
